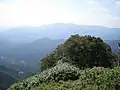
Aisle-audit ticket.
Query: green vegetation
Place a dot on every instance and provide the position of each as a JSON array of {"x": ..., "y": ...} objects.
[
  {"x": 81, "y": 63},
  {"x": 82, "y": 51},
  {"x": 67, "y": 77},
  {"x": 90, "y": 79}
]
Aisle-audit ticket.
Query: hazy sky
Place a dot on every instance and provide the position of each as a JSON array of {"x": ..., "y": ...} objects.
[{"x": 16, "y": 13}]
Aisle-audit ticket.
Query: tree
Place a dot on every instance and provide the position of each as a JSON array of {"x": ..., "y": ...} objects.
[{"x": 81, "y": 51}]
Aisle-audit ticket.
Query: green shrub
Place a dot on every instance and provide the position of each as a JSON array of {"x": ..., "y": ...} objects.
[
  {"x": 63, "y": 71},
  {"x": 50, "y": 86},
  {"x": 67, "y": 77},
  {"x": 90, "y": 79}
]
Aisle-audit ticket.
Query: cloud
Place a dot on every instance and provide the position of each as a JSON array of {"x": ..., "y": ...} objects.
[
  {"x": 117, "y": 4},
  {"x": 91, "y": 1},
  {"x": 28, "y": 12},
  {"x": 39, "y": 12}
]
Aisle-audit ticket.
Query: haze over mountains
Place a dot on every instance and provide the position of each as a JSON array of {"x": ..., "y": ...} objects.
[
  {"x": 18, "y": 46},
  {"x": 58, "y": 31},
  {"x": 28, "y": 43},
  {"x": 28, "y": 39}
]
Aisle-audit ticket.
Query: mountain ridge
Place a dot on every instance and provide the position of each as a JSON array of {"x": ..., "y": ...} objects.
[{"x": 57, "y": 31}]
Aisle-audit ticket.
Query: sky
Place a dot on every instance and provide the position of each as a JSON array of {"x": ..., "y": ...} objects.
[{"x": 17, "y": 13}]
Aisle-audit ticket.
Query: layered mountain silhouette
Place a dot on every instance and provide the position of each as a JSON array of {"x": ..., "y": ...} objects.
[{"x": 21, "y": 45}]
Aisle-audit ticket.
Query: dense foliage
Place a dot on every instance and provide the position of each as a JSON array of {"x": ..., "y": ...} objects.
[
  {"x": 90, "y": 79},
  {"x": 67, "y": 77},
  {"x": 82, "y": 51},
  {"x": 60, "y": 72}
]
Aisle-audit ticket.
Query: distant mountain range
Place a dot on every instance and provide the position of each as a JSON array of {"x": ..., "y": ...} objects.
[
  {"x": 57, "y": 31},
  {"x": 24, "y": 35}
]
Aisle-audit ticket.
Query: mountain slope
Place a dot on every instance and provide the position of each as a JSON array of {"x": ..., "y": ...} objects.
[
  {"x": 7, "y": 77},
  {"x": 17, "y": 58},
  {"x": 113, "y": 44},
  {"x": 35, "y": 50}
]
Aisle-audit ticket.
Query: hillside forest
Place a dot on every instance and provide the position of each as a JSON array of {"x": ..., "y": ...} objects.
[{"x": 80, "y": 63}]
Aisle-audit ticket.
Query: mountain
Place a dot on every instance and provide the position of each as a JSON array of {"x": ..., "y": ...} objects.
[
  {"x": 7, "y": 77},
  {"x": 57, "y": 31},
  {"x": 17, "y": 37},
  {"x": 18, "y": 57},
  {"x": 113, "y": 44},
  {"x": 35, "y": 50}
]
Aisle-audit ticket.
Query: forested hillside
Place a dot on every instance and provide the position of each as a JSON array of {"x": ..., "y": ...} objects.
[{"x": 81, "y": 63}]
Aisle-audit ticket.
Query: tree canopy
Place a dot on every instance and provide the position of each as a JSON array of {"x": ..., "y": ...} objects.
[{"x": 81, "y": 51}]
